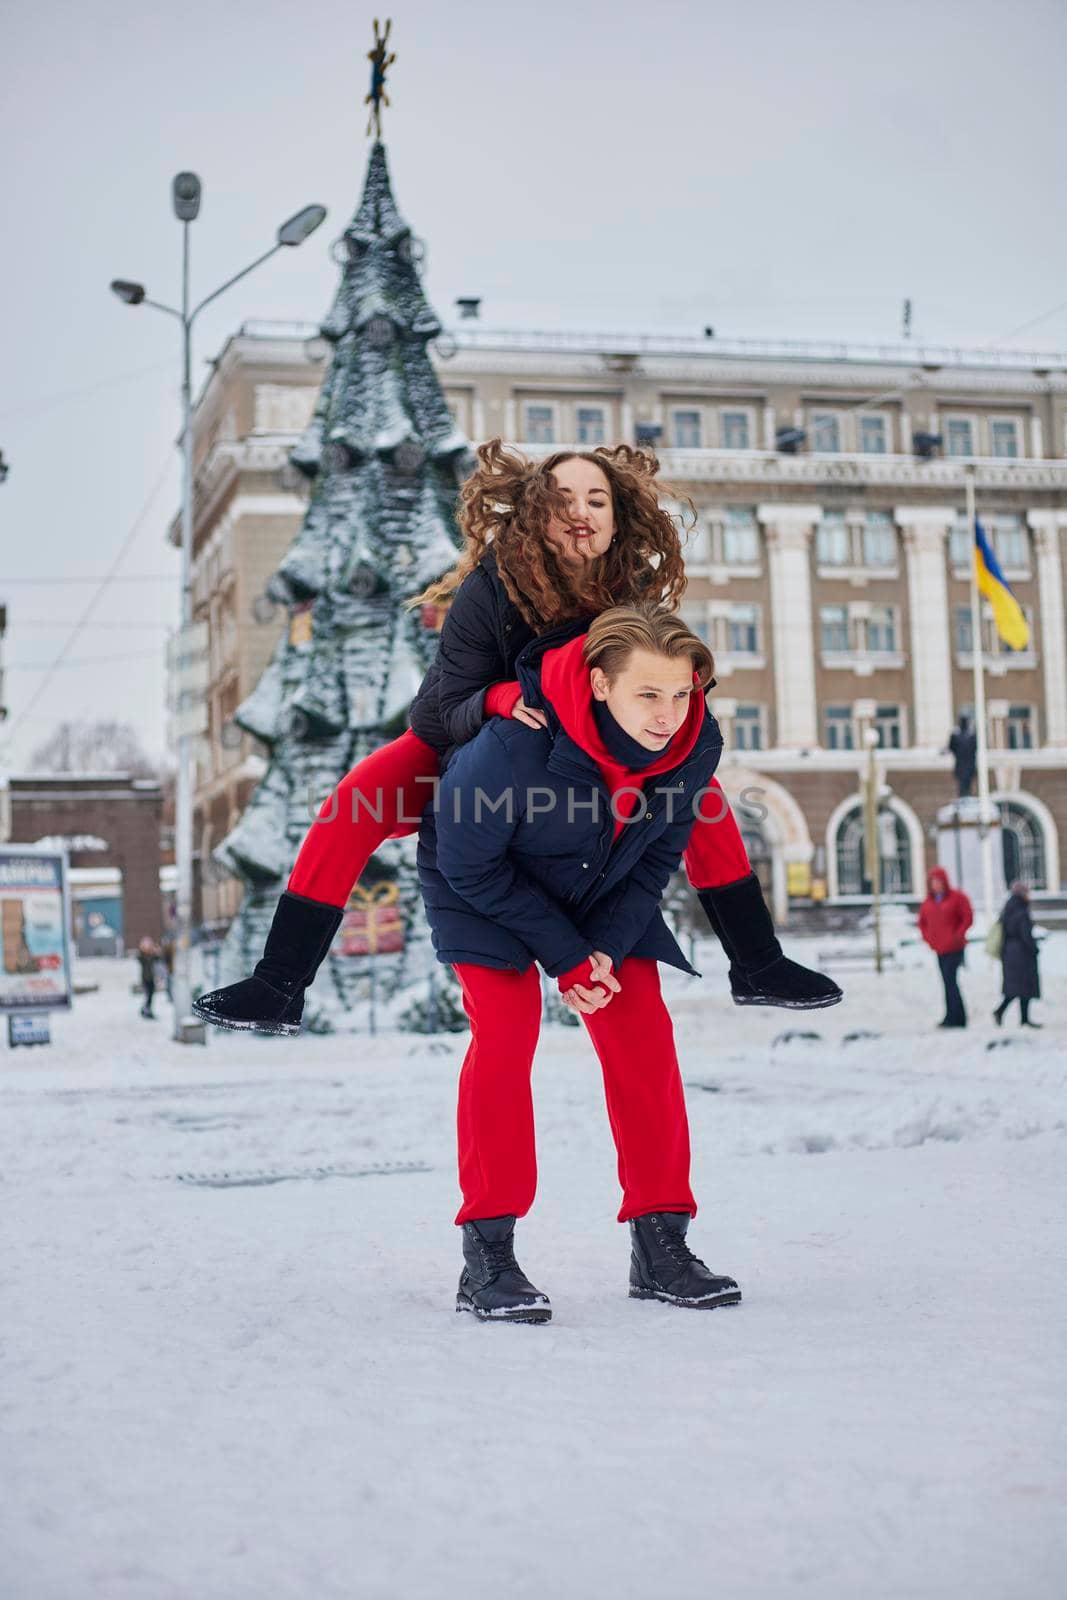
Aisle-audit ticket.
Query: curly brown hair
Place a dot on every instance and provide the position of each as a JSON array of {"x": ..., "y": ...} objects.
[{"x": 508, "y": 500}]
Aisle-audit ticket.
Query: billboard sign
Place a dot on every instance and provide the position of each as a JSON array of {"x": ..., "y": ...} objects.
[{"x": 35, "y": 963}]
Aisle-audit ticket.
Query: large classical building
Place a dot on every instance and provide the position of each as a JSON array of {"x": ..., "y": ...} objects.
[{"x": 828, "y": 566}]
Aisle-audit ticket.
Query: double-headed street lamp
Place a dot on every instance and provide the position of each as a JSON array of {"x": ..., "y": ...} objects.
[{"x": 186, "y": 197}]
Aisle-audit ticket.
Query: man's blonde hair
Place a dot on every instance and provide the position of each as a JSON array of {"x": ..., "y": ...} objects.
[{"x": 617, "y": 633}]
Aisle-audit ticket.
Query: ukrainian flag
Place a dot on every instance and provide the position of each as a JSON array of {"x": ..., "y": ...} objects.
[{"x": 1007, "y": 612}]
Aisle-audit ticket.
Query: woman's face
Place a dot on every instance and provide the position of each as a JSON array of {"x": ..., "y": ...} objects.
[
  {"x": 588, "y": 494},
  {"x": 649, "y": 698}
]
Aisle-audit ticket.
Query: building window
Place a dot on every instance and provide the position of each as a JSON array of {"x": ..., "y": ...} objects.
[
  {"x": 832, "y": 541},
  {"x": 590, "y": 428},
  {"x": 1023, "y": 844},
  {"x": 540, "y": 425},
  {"x": 740, "y": 537},
  {"x": 748, "y": 728},
  {"x": 686, "y": 430},
  {"x": 959, "y": 436},
  {"x": 888, "y": 727},
  {"x": 839, "y": 730},
  {"x": 882, "y": 630},
  {"x": 894, "y": 853},
  {"x": 992, "y": 643},
  {"x": 734, "y": 428},
  {"x": 1010, "y": 542},
  {"x": 825, "y": 432},
  {"x": 879, "y": 540},
  {"x": 1020, "y": 727},
  {"x": 1004, "y": 437},
  {"x": 833, "y": 623},
  {"x": 960, "y": 543},
  {"x": 964, "y": 631},
  {"x": 742, "y": 630},
  {"x": 697, "y": 622},
  {"x": 873, "y": 436}
]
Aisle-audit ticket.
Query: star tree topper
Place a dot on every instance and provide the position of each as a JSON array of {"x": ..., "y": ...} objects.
[{"x": 380, "y": 62}]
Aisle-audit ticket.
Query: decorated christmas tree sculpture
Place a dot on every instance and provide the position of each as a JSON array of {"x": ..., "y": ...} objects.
[{"x": 385, "y": 460}]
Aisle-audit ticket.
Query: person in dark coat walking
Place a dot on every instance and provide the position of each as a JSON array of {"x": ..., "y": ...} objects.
[
  {"x": 944, "y": 917},
  {"x": 1018, "y": 957},
  {"x": 553, "y": 845},
  {"x": 147, "y": 955},
  {"x": 546, "y": 541}
]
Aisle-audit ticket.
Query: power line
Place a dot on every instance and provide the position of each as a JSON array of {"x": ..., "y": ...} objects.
[
  {"x": 104, "y": 583},
  {"x": 103, "y": 577},
  {"x": 49, "y": 402},
  {"x": 80, "y": 661},
  {"x": 62, "y": 622}
]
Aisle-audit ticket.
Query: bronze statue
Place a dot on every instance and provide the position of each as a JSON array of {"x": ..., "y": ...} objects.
[{"x": 963, "y": 747}]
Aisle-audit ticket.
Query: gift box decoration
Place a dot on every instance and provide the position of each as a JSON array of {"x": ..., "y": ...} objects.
[{"x": 372, "y": 924}]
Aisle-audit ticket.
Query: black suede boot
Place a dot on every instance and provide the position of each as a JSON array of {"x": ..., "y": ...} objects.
[
  {"x": 492, "y": 1285},
  {"x": 272, "y": 999},
  {"x": 760, "y": 975},
  {"x": 662, "y": 1266}
]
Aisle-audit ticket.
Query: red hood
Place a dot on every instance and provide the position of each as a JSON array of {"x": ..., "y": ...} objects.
[
  {"x": 565, "y": 683},
  {"x": 933, "y": 886}
]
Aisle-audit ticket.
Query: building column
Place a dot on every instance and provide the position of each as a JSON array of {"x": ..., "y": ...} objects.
[
  {"x": 478, "y": 419},
  {"x": 925, "y": 530},
  {"x": 1048, "y": 528},
  {"x": 788, "y": 530},
  {"x": 770, "y": 439}
]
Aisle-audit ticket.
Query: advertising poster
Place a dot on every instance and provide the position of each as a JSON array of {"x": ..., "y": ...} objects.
[{"x": 35, "y": 970}]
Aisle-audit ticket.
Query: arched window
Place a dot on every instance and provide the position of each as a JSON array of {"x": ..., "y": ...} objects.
[
  {"x": 1023, "y": 843},
  {"x": 894, "y": 850}
]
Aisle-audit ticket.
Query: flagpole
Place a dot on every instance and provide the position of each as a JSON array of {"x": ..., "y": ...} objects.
[{"x": 985, "y": 833}]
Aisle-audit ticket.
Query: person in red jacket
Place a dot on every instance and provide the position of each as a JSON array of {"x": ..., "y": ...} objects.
[{"x": 944, "y": 917}]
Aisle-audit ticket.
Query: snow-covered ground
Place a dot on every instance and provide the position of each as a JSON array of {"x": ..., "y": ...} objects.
[{"x": 232, "y": 1370}]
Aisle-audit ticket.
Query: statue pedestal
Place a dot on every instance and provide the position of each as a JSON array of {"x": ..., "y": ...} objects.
[{"x": 959, "y": 848}]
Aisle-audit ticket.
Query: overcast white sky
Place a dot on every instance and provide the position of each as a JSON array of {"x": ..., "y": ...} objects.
[{"x": 777, "y": 169}]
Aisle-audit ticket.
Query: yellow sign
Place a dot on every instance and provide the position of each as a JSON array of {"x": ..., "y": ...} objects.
[{"x": 798, "y": 878}]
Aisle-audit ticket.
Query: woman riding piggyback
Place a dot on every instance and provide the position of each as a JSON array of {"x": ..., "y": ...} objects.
[{"x": 547, "y": 542}]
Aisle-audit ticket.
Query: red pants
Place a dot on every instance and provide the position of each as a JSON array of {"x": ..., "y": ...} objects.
[
  {"x": 384, "y": 796},
  {"x": 642, "y": 1085}
]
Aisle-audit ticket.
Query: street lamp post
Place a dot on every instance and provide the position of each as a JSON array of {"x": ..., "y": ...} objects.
[
  {"x": 186, "y": 191},
  {"x": 873, "y": 849}
]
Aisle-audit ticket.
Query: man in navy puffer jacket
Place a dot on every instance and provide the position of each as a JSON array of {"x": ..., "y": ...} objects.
[{"x": 554, "y": 846}]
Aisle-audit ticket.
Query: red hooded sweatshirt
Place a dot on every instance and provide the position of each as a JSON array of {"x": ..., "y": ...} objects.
[
  {"x": 565, "y": 681},
  {"x": 945, "y": 914}
]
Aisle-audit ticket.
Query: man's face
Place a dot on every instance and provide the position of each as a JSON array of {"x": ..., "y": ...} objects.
[{"x": 650, "y": 698}]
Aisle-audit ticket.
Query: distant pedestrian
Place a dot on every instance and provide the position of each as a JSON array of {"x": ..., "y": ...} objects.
[
  {"x": 944, "y": 917},
  {"x": 1018, "y": 956},
  {"x": 148, "y": 955}
]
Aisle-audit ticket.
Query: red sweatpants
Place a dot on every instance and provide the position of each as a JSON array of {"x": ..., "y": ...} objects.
[
  {"x": 395, "y": 783},
  {"x": 634, "y": 1039}
]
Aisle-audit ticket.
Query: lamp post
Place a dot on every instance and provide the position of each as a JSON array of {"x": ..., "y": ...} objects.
[
  {"x": 873, "y": 851},
  {"x": 185, "y": 193}
]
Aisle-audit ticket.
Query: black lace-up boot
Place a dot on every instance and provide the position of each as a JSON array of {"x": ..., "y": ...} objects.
[
  {"x": 662, "y": 1266},
  {"x": 272, "y": 999},
  {"x": 760, "y": 975},
  {"x": 493, "y": 1285}
]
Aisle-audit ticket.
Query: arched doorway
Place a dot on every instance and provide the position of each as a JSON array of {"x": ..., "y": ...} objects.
[
  {"x": 894, "y": 845},
  {"x": 1023, "y": 843}
]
